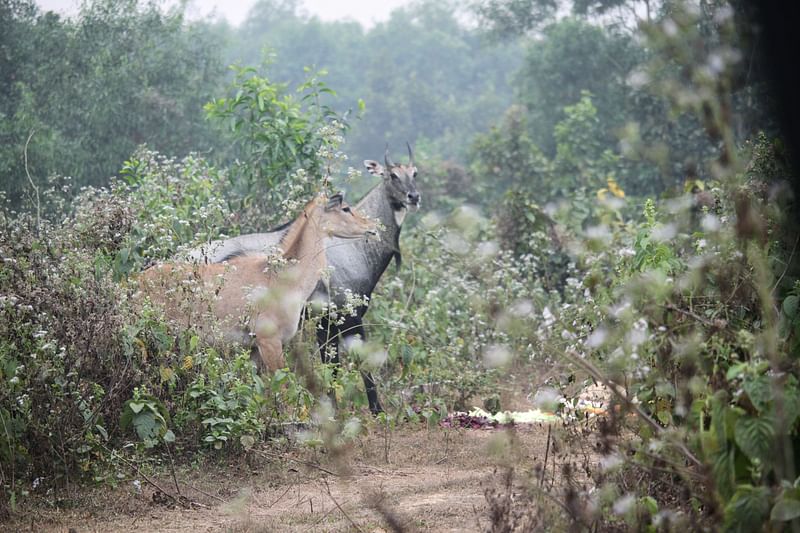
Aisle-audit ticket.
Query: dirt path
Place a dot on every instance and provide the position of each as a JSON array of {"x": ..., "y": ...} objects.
[{"x": 433, "y": 481}]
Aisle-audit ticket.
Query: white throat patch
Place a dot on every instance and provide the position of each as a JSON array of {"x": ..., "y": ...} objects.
[{"x": 400, "y": 215}]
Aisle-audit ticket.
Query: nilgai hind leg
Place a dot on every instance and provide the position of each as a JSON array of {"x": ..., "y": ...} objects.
[{"x": 329, "y": 342}]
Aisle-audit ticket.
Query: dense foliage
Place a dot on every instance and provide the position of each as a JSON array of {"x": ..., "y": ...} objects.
[
  {"x": 615, "y": 212},
  {"x": 80, "y": 94},
  {"x": 85, "y": 92}
]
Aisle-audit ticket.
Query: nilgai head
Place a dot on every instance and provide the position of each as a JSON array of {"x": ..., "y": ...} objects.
[
  {"x": 400, "y": 180},
  {"x": 338, "y": 219}
]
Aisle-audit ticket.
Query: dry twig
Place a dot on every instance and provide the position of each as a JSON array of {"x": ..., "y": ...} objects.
[
  {"x": 352, "y": 523},
  {"x": 35, "y": 188},
  {"x": 183, "y": 501},
  {"x": 617, "y": 391},
  {"x": 298, "y": 461}
]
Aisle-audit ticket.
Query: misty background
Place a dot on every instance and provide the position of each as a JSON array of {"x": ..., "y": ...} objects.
[{"x": 94, "y": 82}]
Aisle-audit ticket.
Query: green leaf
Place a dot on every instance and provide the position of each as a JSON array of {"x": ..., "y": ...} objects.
[
  {"x": 787, "y": 507},
  {"x": 759, "y": 390},
  {"x": 146, "y": 426},
  {"x": 790, "y": 403},
  {"x": 169, "y": 436},
  {"x": 126, "y": 419},
  {"x": 735, "y": 371},
  {"x": 732, "y": 415},
  {"x": 136, "y": 407},
  {"x": 755, "y": 435},
  {"x": 790, "y": 305},
  {"x": 649, "y": 503},
  {"x": 719, "y": 408},
  {"x": 747, "y": 510},
  {"x": 665, "y": 389},
  {"x": 724, "y": 469}
]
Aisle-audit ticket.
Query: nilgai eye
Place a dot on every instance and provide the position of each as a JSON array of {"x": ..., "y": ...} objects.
[
  {"x": 346, "y": 209},
  {"x": 395, "y": 176}
]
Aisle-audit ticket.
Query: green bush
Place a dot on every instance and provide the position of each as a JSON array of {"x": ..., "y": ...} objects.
[
  {"x": 86, "y": 90},
  {"x": 178, "y": 205},
  {"x": 284, "y": 143},
  {"x": 461, "y": 309},
  {"x": 65, "y": 367},
  {"x": 523, "y": 227},
  {"x": 86, "y": 366}
]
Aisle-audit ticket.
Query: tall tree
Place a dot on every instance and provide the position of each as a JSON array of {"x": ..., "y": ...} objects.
[{"x": 88, "y": 90}]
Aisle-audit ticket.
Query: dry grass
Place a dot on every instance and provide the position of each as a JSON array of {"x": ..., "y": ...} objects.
[{"x": 434, "y": 481}]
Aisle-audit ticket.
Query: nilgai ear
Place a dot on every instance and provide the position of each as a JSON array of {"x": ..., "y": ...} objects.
[
  {"x": 373, "y": 167},
  {"x": 335, "y": 201}
]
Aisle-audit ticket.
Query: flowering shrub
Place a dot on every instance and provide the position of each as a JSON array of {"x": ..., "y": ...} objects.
[
  {"x": 685, "y": 314},
  {"x": 65, "y": 368},
  {"x": 460, "y": 309},
  {"x": 85, "y": 365},
  {"x": 179, "y": 204}
]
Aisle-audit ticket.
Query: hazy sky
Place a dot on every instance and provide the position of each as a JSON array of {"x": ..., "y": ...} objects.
[{"x": 365, "y": 11}]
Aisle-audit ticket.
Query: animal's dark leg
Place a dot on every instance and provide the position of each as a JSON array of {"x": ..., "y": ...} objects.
[
  {"x": 255, "y": 357},
  {"x": 353, "y": 326},
  {"x": 372, "y": 393},
  {"x": 328, "y": 341}
]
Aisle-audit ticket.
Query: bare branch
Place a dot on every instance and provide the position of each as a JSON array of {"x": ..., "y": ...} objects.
[
  {"x": 35, "y": 188},
  {"x": 617, "y": 391}
]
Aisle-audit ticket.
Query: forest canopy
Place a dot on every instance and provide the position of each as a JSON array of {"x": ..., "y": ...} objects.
[{"x": 122, "y": 73}]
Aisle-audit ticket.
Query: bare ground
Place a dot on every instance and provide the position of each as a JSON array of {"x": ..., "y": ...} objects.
[
  {"x": 434, "y": 480},
  {"x": 409, "y": 479}
]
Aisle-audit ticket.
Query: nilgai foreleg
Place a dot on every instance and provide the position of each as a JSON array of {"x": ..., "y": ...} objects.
[
  {"x": 270, "y": 349},
  {"x": 352, "y": 327}
]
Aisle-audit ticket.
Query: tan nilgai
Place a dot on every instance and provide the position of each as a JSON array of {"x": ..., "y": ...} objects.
[{"x": 253, "y": 301}]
